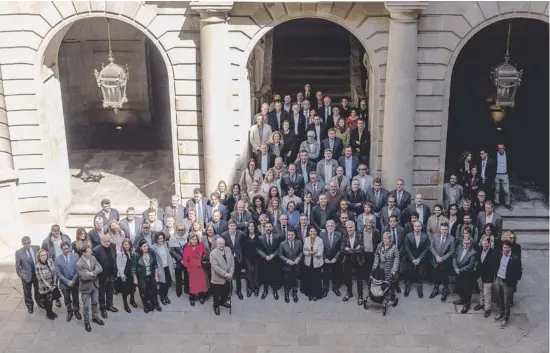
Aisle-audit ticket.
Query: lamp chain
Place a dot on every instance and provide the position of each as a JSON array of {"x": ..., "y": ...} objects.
[
  {"x": 111, "y": 58},
  {"x": 508, "y": 39}
]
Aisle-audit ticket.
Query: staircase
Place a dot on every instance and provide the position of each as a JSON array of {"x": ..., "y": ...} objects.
[{"x": 319, "y": 55}]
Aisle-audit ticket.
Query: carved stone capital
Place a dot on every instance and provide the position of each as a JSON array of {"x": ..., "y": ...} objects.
[
  {"x": 405, "y": 11},
  {"x": 212, "y": 11}
]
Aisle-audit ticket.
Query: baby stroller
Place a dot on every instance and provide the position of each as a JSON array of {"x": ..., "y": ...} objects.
[{"x": 379, "y": 293}]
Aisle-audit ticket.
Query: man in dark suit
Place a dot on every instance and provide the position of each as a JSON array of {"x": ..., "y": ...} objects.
[
  {"x": 321, "y": 213},
  {"x": 241, "y": 216},
  {"x": 349, "y": 162},
  {"x": 290, "y": 253},
  {"x": 130, "y": 225},
  {"x": 175, "y": 210},
  {"x": 325, "y": 112},
  {"x": 294, "y": 179},
  {"x": 282, "y": 228},
  {"x": 25, "y": 260},
  {"x": 360, "y": 142},
  {"x": 508, "y": 273},
  {"x": 402, "y": 196},
  {"x": 96, "y": 233},
  {"x": 345, "y": 108},
  {"x": 318, "y": 127},
  {"x": 200, "y": 204},
  {"x": 304, "y": 166},
  {"x": 486, "y": 268},
  {"x": 298, "y": 123},
  {"x": 277, "y": 116},
  {"x": 220, "y": 225},
  {"x": 443, "y": 250},
  {"x": 265, "y": 159},
  {"x": 332, "y": 242},
  {"x": 487, "y": 171},
  {"x": 269, "y": 252},
  {"x": 232, "y": 239},
  {"x": 464, "y": 264},
  {"x": 418, "y": 207},
  {"x": 417, "y": 247},
  {"x": 65, "y": 267},
  {"x": 308, "y": 94},
  {"x": 332, "y": 143},
  {"x": 216, "y": 205},
  {"x": 352, "y": 262},
  {"x": 106, "y": 257},
  {"x": 378, "y": 196},
  {"x": 388, "y": 211},
  {"x": 398, "y": 239},
  {"x": 107, "y": 213}
]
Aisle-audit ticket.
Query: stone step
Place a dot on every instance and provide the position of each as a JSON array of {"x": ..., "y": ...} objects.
[
  {"x": 324, "y": 76},
  {"x": 290, "y": 61},
  {"x": 524, "y": 209},
  {"x": 534, "y": 241},
  {"x": 527, "y": 225}
]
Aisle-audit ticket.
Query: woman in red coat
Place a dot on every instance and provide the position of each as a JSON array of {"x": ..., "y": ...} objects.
[{"x": 192, "y": 260}]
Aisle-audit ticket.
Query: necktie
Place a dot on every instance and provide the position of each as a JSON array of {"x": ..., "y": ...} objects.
[
  {"x": 332, "y": 144},
  {"x": 327, "y": 113},
  {"x": 291, "y": 246},
  {"x": 284, "y": 231},
  {"x": 269, "y": 241},
  {"x": 399, "y": 197},
  {"x": 175, "y": 211},
  {"x": 394, "y": 237},
  {"x": 377, "y": 196},
  {"x": 240, "y": 217},
  {"x": 441, "y": 245},
  {"x": 330, "y": 238},
  {"x": 437, "y": 226},
  {"x": 307, "y": 211},
  {"x": 304, "y": 233},
  {"x": 66, "y": 260},
  {"x": 292, "y": 177},
  {"x": 29, "y": 254},
  {"x": 314, "y": 189}
]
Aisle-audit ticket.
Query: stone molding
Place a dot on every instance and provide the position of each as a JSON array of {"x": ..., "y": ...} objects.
[
  {"x": 405, "y": 11},
  {"x": 212, "y": 11}
]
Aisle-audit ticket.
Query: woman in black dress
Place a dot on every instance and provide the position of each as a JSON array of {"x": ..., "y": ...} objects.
[
  {"x": 250, "y": 243},
  {"x": 257, "y": 208},
  {"x": 232, "y": 199},
  {"x": 125, "y": 284}
]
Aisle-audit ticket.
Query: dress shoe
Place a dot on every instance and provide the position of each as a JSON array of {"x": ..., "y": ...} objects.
[
  {"x": 127, "y": 309},
  {"x": 310, "y": 298},
  {"x": 158, "y": 308},
  {"x": 98, "y": 321},
  {"x": 112, "y": 309},
  {"x": 239, "y": 295},
  {"x": 104, "y": 314},
  {"x": 167, "y": 300},
  {"x": 275, "y": 295},
  {"x": 336, "y": 292},
  {"x": 51, "y": 317},
  {"x": 434, "y": 294},
  {"x": 420, "y": 294},
  {"x": 58, "y": 303},
  {"x": 256, "y": 292},
  {"x": 133, "y": 303},
  {"x": 163, "y": 301},
  {"x": 54, "y": 315},
  {"x": 147, "y": 309},
  {"x": 315, "y": 299},
  {"x": 30, "y": 310},
  {"x": 465, "y": 309},
  {"x": 499, "y": 317},
  {"x": 178, "y": 295},
  {"x": 217, "y": 310},
  {"x": 226, "y": 305},
  {"x": 248, "y": 293},
  {"x": 397, "y": 289},
  {"x": 478, "y": 307},
  {"x": 192, "y": 301},
  {"x": 443, "y": 297},
  {"x": 77, "y": 315},
  {"x": 287, "y": 298},
  {"x": 504, "y": 322},
  {"x": 458, "y": 302},
  {"x": 509, "y": 207},
  {"x": 201, "y": 300},
  {"x": 69, "y": 316},
  {"x": 407, "y": 291},
  {"x": 487, "y": 313},
  {"x": 295, "y": 297},
  {"x": 264, "y": 294},
  {"x": 87, "y": 326}
]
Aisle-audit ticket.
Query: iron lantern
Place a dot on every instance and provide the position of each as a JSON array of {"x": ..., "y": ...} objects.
[
  {"x": 506, "y": 78},
  {"x": 112, "y": 80}
]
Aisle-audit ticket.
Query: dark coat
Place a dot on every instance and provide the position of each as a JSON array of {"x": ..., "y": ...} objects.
[
  {"x": 486, "y": 270},
  {"x": 355, "y": 254},
  {"x": 101, "y": 257}
]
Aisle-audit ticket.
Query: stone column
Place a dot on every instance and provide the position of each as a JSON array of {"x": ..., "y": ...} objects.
[
  {"x": 400, "y": 95},
  {"x": 219, "y": 154},
  {"x": 6, "y": 158}
]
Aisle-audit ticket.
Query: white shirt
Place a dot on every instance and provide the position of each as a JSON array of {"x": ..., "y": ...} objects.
[
  {"x": 328, "y": 172},
  {"x": 420, "y": 211},
  {"x": 88, "y": 263},
  {"x": 318, "y": 132},
  {"x": 263, "y": 163},
  {"x": 232, "y": 236},
  {"x": 489, "y": 218},
  {"x": 348, "y": 165},
  {"x": 352, "y": 241},
  {"x": 483, "y": 165},
  {"x": 417, "y": 239},
  {"x": 503, "y": 266},
  {"x": 501, "y": 163},
  {"x": 132, "y": 229},
  {"x": 296, "y": 123}
]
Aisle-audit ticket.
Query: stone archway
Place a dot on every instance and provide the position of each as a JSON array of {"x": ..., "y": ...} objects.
[
  {"x": 49, "y": 107},
  {"x": 477, "y": 16},
  {"x": 367, "y": 22}
]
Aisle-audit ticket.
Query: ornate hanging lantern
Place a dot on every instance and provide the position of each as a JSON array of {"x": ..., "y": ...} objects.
[
  {"x": 506, "y": 78},
  {"x": 112, "y": 80}
]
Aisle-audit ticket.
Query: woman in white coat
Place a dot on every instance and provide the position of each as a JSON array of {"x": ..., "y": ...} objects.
[{"x": 313, "y": 265}]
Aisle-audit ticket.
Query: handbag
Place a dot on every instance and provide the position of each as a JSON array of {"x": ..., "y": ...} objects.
[
  {"x": 55, "y": 294},
  {"x": 205, "y": 260}
]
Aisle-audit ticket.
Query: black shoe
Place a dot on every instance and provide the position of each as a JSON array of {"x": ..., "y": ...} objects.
[
  {"x": 443, "y": 297},
  {"x": 325, "y": 293},
  {"x": 163, "y": 301},
  {"x": 239, "y": 295},
  {"x": 58, "y": 303},
  {"x": 54, "y": 315},
  {"x": 112, "y": 309},
  {"x": 487, "y": 313},
  {"x": 69, "y": 316},
  {"x": 167, "y": 300},
  {"x": 201, "y": 300},
  {"x": 465, "y": 309},
  {"x": 275, "y": 295},
  {"x": 504, "y": 322},
  {"x": 509, "y": 207},
  {"x": 499, "y": 317},
  {"x": 434, "y": 294},
  {"x": 127, "y": 309},
  {"x": 287, "y": 298},
  {"x": 257, "y": 292},
  {"x": 51, "y": 317},
  {"x": 30, "y": 310},
  {"x": 316, "y": 298},
  {"x": 407, "y": 291},
  {"x": 178, "y": 295},
  {"x": 133, "y": 303},
  {"x": 248, "y": 293},
  {"x": 478, "y": 307},
  {"x": 420, "y": 294},
  {"x": 98, "y": 321},
  {"x": 226, "y": 305},
  {"x": 458, "y": 302},
  {"x": 397, "y": 289},
  {"x": 104, "y": 314},
  {"x": 147, "y": 309},
  {"x": 336, "y": 292},
  {"x": 310, "y": 298},
  {"x": 192, "y": 301},
  {"x": 295, "y": 297},
  {"x": 217, "y": 310},
  {"x": 87, "y": 326},
  {"x": 158, "y": 308},
  {"x": 77, "y": 315}
]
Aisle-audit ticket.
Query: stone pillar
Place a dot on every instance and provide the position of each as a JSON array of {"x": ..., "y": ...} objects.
[
  {"x": 400, "y": 95},
  {"x": 6, "y": 158},
  {"x": 219, "y": 155}
]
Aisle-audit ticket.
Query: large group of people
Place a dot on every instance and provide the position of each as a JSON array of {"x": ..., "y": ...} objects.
[{"x": 305, "y": 216}]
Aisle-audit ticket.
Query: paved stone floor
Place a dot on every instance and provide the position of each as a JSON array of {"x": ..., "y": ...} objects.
[
  {"x": 257, "y": 326},
  {"x": 131, "y": 177}
]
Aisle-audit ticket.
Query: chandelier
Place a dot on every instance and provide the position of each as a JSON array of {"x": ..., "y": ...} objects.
[{"x": 112, "y": 80}]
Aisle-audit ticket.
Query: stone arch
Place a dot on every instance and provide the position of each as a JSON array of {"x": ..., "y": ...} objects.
[
  {"x": 368, "y": 22},
  {"x": 46, "y": 76},
  {"x": 480, "y": 15}
]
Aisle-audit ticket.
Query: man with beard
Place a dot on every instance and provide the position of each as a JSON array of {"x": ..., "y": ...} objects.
[{"x": 269, "y": 269}]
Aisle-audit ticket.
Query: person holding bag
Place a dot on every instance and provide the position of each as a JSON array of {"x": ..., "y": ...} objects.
[{"x": 47, "y": 279}]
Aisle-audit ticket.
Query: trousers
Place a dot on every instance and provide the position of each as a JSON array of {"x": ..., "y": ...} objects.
[
  {"x": 90, "y": 300},
  {"x": 70, "y": 297}
]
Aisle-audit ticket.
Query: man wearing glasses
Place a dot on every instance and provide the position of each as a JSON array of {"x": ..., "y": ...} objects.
[{"x": 25, "y": 259}]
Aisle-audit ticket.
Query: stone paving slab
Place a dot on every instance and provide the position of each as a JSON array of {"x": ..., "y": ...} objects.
[{"x": 269, "y": 326}]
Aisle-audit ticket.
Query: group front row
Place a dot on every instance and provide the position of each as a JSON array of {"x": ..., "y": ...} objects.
[{"x": 270, "y": 259}]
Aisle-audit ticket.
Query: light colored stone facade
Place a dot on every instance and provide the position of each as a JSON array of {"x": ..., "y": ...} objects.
[{"x": 209, "y": 96}]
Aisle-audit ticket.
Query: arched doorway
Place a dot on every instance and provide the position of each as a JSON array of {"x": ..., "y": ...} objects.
[
  {"x": 132, "y": 149},
  {"x": 525, "y": 128},
  {"x": 314, "y": 51}
]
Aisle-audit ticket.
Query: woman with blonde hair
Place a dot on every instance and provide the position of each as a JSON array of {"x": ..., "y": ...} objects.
[
  {"x": 250, "y": 174},
  {"x": 269, "y": 181},
  {"x": 116, "y": 235},
  {"x": 82, "y": 238},
  {"x": 125, "y": 284},
  {"x": 275, "y": 143},
  {"x": 343, "y": 132},
  {"x": 193, "y": 255},
  {"x": 222, "y": 190},
  {"x": 47, "y": 282}
]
